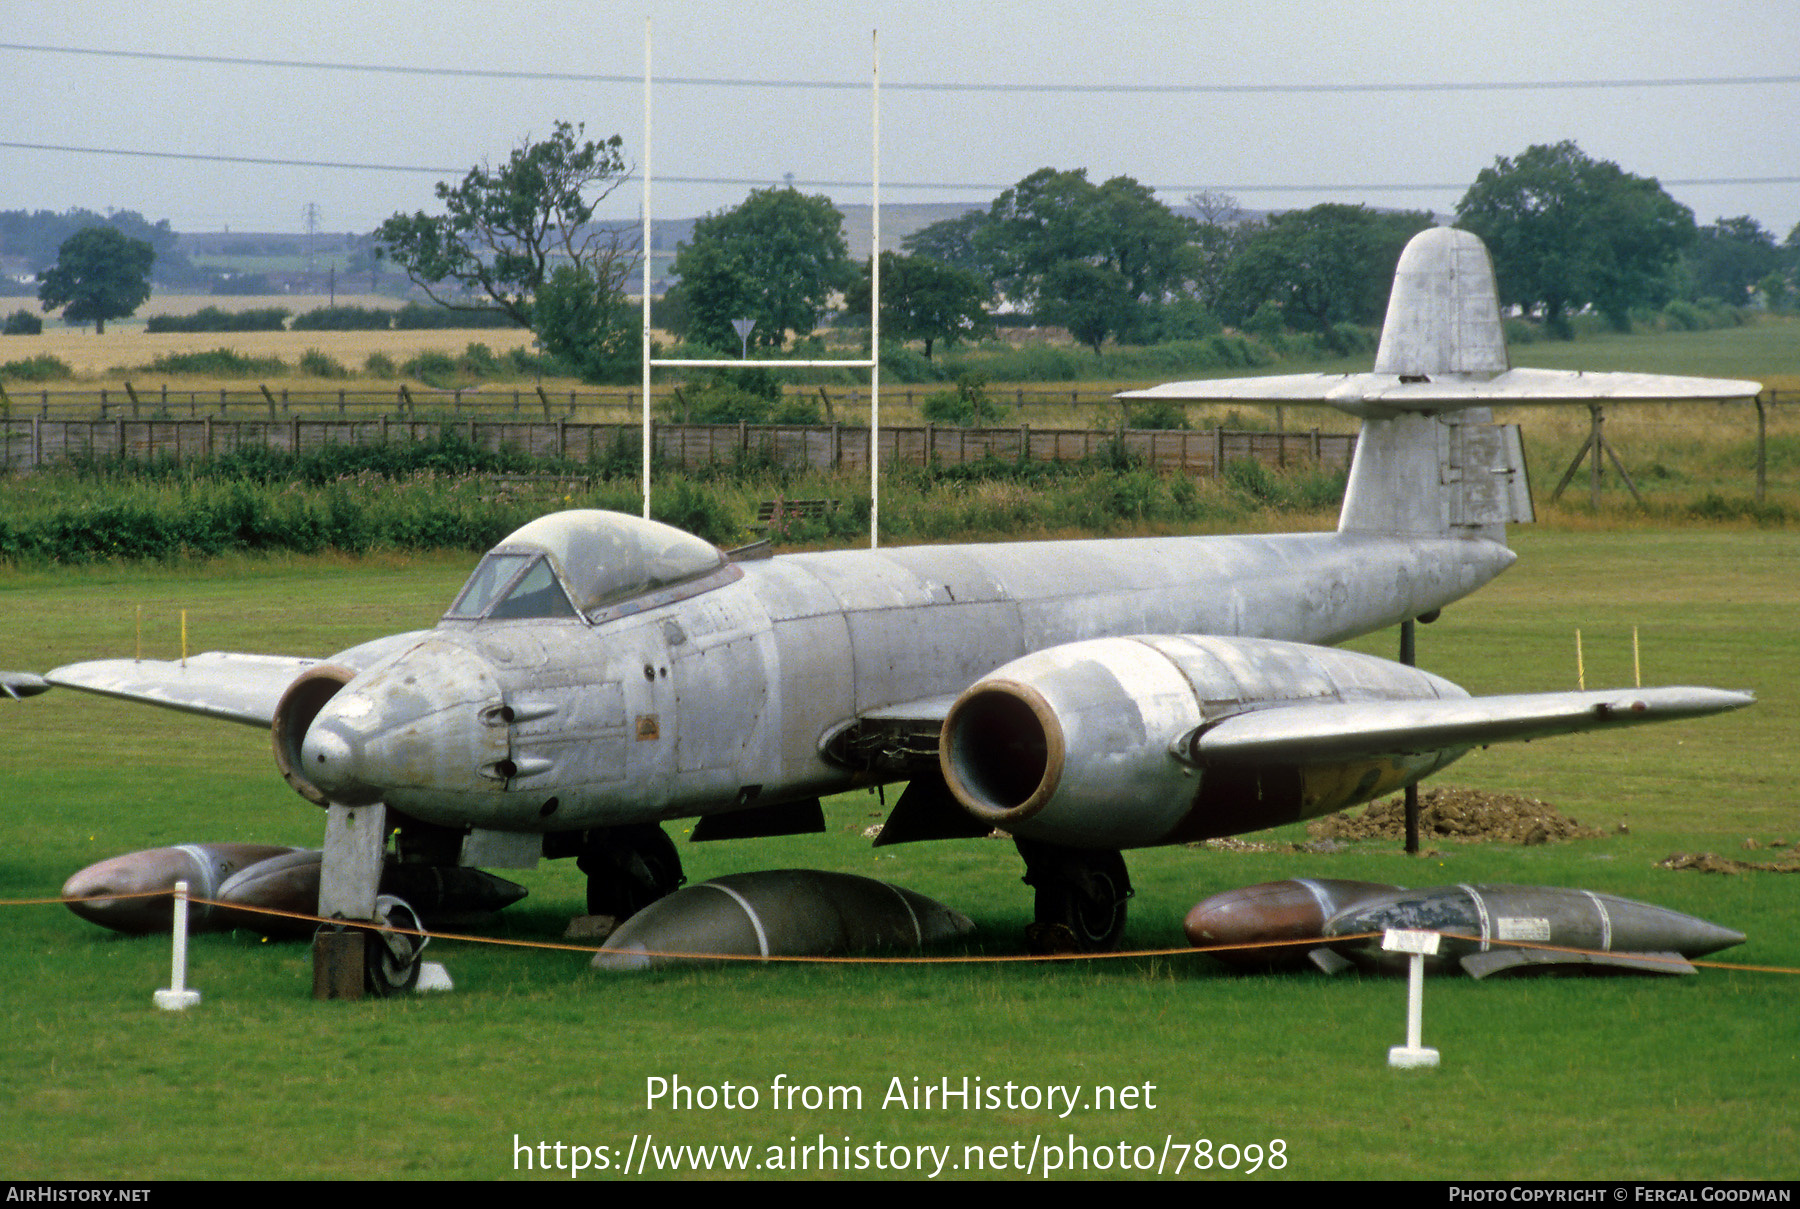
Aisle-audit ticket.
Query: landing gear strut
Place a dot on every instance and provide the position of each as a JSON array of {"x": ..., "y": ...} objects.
[
  {"x": 1081, "y": 897},
  {"x": 628, "y": 868}
]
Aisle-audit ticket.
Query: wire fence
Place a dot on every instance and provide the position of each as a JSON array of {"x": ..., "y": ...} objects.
[{"x": 32, "y": 442}]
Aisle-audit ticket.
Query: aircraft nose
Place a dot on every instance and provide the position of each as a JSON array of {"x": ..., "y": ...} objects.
[
  {"x": 331, "y": 764},
  {"x": 412, "y": 725}
]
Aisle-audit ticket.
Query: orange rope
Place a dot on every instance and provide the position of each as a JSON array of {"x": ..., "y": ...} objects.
[{"x": 914, "y": 960}]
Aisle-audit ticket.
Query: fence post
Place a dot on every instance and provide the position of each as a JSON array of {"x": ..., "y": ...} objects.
[
  {"x": 1218, "y": 449},
  {"x": 1762, "y": 439}
]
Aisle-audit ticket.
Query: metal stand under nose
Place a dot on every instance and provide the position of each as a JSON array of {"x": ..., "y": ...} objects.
[{"x": 349, "y": 879}]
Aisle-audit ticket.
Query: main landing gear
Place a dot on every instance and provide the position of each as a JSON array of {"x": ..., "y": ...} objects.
[
  {"x": 1081, "y": 897},
  {"x": 628, "y": 868}
]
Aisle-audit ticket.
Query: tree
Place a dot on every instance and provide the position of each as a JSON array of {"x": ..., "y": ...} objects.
[
  {"x": 1047, "y": 219},
  {"x": 100, "y": 274},
  {"x": 1729, "y": 259},
  {"x": 777, "y": 258},
  {"x": 1043, "y": 235},
  {"x": 953, "y": 241},
  {"x": 1093, "y": 301},
  {"x": 925, "y": 299},
  {"x": 588, "y": 324},
  {"x": 1220, "y": 232},
  {"x": 1322, "y": 266},
  {"x": 1567, "y": 231},
  {"x": 506, "y": 230}
]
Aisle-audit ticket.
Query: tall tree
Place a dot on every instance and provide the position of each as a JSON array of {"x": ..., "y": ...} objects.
[
  {"x": 505, "y": 230},
  {"x": 100, "y": 274},
  {"x": 925, "y": 299},
  {"x": 1566, "y": 231},
  {"x": 955, "y": 242},
  {"x": 1221, "y": 230},
  {"x": 1055, "y": 234},
  {"x": 1321, "y": 266},
  {"x": 777, "y": 258},
  {"x": 1046, "y": 219}
]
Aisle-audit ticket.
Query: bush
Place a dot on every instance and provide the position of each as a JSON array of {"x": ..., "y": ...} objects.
[
  {"x": 220, "y": 363},
  {"x": 322, "y": 365},
  {"x": 1163, "y": 414},
  {"x": 345, "y": 319},
  {"x": 413, "y": 317},
  {"x": 1715, "y": 507},
  {"x": 1266, "y": 321},
  {"x": 41, "y": 368},
  {"x": 23, "y": 323},
  {"x": 380, "y": 365},
  {"x": 212, "y": 319},
  {"x": 433, "y": 368},
  {"x": 1520, "y": 331},
  {"x": 966, "y": 405},
  {"x": 1683, "y": 316}
]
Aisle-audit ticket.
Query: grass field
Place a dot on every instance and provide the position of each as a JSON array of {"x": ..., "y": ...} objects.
[{"x": 1550, "y": 1078}]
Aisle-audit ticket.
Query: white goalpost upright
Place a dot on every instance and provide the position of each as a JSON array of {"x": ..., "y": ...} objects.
[{"x": 872, "y": 362}]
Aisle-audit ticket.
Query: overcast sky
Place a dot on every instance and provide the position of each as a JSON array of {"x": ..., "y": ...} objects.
[{"x": 1273, "y": 149}]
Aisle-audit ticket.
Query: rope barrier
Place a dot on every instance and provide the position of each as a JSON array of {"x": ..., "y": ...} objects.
[{"x": 919, "y": 959}]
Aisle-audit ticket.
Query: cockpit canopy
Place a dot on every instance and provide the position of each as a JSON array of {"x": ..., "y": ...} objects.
[{"x": 570, "y": 564}]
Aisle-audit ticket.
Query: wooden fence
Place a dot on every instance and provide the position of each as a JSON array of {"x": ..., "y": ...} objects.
[
  {"x": 27, "y": 443},
  {"x": 839, "y": 402}
]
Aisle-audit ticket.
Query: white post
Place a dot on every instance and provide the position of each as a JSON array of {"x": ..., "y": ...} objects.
[
  {"x": 875, "y": 296},
  {"x": 644, "y": 251},
  {"x": 1417, "y": 945},
  {"x": 175, "y": 997}
]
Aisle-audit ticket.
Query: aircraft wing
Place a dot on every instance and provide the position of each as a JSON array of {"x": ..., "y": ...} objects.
[
  {"x": 1390, "y": 394},
  {"x": 21, "y": 684},
  {"x": 1327, "y": 733},
  {"x": 218, "y": 684}
]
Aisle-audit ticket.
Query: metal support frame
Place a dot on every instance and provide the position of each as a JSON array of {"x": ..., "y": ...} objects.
[
  {"x": 1593, "y": 448},
  {"x": 872, "y": 362}
]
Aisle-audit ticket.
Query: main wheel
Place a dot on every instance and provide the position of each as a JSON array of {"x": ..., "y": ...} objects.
[
  {"x": 628, "y": 868},
  {"x": 1081, "y": 896}
]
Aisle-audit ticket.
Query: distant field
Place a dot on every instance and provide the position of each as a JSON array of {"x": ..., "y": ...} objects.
[
  {"x": 162, "y": 303},
  {"x": 121, "y": 353}
]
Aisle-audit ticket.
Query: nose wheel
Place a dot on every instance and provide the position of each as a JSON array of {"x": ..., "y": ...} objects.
[{"x": 391, "y": 949}]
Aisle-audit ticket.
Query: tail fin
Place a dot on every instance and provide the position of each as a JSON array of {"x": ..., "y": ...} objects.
[
  {"x": 1430, "y": 461},
  {"x": 1443, "y": 315}
]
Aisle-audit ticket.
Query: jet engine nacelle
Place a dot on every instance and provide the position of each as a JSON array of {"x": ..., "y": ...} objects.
[{"x": 1094, "y": 744}]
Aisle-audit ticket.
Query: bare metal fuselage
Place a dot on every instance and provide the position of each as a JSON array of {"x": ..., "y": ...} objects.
[{"x": 722, "y": 699}]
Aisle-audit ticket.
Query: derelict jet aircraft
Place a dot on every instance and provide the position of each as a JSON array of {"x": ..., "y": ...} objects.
[{"x": 600, "y": 674}]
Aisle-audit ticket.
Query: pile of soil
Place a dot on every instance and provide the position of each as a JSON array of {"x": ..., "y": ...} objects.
[
  {"x": 1707, "y": 862},
  {"x": 1453, "y": 813}
]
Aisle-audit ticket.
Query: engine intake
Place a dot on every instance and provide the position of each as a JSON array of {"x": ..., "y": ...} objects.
[{"x": 299, "y": 705}]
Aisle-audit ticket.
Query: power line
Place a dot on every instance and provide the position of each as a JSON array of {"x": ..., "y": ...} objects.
[
  {"x": 918, "y": 86},
  {"x": 940, "y": 186}
]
